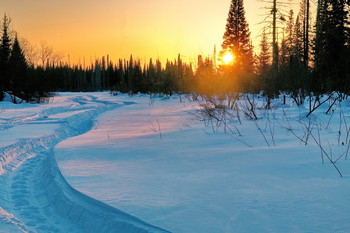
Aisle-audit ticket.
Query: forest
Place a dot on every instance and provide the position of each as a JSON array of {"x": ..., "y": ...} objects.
[
  {"x": 254, "y": 137},
  {"x": 295, "y": 57}
]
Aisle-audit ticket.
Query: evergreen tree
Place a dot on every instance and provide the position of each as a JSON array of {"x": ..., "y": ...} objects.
[
  {"x": 292, "y": 46},
  {"x": 237, "y": 37},
  {"x": 304, "y": 28},
  {"x": 289, "y": 38},
  {"x": 5, "y": 51},
  {"x": 264, "y": 58},
  {"x": 283, "y": 53},
  {"x": 17, "y": 68},
  {"x": 298, "y": 49},
  {"x": 330, "y": 44}
]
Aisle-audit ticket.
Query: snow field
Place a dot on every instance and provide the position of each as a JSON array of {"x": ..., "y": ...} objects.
[
  {"x": 154, "y": 159},
  {"x": 34, "y": 195},
  {"x": 159, "y": 160}
]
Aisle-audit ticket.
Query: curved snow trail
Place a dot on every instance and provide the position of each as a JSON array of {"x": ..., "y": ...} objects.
[{"x": 34, "y": 196}]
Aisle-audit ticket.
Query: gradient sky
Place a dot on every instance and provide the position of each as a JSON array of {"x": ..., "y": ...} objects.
[{"x": 144, "y": 28}]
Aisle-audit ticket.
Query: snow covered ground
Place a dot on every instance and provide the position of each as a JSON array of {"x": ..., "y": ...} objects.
[
  {"x": 34, "y": 197},
  {"x": 154, "y": 159}
]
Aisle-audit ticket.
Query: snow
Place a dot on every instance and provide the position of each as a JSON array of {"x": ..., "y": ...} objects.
[
  {"x": 9, "y": 98},
  {"x": 34, "y": 195},
  {"x": 123, "y": 156}
]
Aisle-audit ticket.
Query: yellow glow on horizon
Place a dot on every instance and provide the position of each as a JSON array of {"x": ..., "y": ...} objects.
[{"x": 86, "y": 30}]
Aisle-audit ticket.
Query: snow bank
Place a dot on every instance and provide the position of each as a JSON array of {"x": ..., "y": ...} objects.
[{"x": 9, "y": 98}]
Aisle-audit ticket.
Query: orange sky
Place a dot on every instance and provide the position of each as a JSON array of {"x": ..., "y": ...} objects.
[{"x": 152, "y": 28}]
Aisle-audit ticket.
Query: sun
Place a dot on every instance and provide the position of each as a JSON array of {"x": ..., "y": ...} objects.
[{"x": 228, "y": 58}]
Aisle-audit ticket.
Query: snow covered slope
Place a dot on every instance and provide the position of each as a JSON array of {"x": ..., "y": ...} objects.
[{"x": 34, "y": 197}]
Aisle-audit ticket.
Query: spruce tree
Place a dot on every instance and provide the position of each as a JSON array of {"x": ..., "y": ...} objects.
[
  {"x": 237, "y": 36},
  {"x": 283, "y": 54},
  {"x": 5, "y": 51},
  {"x": 298, "y": 50},
  {"x": 330, "y": 44},
  {"x": 17, "y": 69},
  {"x": 264, "y": 58},
  {"x": 289, "y": 38}
]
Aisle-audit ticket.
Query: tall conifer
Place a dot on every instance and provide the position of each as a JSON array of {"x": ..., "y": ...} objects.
[
  {"x": 17, "y": 68},
  {"x": 237, "y": 36},
  {"x": 5, "y": 51},
  {"x": 330, "y": 43},
  {"x": 264, "y": 58}
]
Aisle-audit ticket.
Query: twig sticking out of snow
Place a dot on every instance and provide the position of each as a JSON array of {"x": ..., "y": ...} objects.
[
  {"x": 325, "y": 153},
  {"x": 160, "y": 131}
]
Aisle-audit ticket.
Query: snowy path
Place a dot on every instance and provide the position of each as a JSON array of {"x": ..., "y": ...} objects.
[{"x": 34, "y": 197}]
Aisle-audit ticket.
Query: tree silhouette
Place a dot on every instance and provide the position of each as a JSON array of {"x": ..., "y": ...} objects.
[
  {"x": 5, "y": 51},
  {"x": 264, "y": 58},
  {"x": 17, "y": 69},
  {"x": 237, "y": 36},
  {"x": 330, "y": 44}
]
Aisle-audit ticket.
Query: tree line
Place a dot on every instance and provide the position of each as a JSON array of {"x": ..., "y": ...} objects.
[
  {"x": 33, "y": 75},
  {"x": 307, "y": 59}
]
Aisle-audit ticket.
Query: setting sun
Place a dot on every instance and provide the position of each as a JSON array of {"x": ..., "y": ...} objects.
[{"x": 228, "y": 58}]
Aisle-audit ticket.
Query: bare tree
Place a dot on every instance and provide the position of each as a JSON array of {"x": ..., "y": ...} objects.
[
  {"x": 30, "y": 51},
  {"x": 57, "y": 58},
  {"x": 274, "y": 19},
  {"x": 45, "y": 53}
]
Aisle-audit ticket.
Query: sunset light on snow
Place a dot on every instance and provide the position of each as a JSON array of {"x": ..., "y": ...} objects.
[{"x": 162, "y": 116}]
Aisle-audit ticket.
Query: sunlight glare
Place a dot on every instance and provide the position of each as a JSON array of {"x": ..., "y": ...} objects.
[{"x": 228, "y": 58}]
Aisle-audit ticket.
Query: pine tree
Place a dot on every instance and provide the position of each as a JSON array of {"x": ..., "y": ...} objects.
[
  {"x": 290, "y": 37},
  {"x": 237, "y": 36},
  {"x": 304, "y": 28},
  {"x": 5, "y": 51},
  {"x": 283, "y": 53},
  {"x": 298, "y": 49},
  {"x": 17, "y": 68},
  {"x": 264, "y": 58},
  {"x": 330, "y": 43}
]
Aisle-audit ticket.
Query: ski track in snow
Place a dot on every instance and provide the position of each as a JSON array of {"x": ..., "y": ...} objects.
[{"x": 34, "y": 196}]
